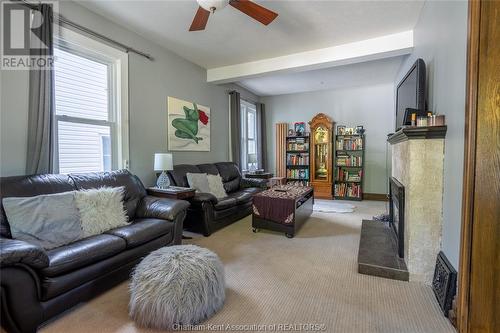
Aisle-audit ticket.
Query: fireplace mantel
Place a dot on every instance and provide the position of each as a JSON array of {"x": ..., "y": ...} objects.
[
  {"x": 412, "y": 133},
  {"x": 418, "y": 164}
]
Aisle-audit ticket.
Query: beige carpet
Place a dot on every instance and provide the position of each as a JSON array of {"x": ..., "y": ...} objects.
[{"x": 272, "y": 280}]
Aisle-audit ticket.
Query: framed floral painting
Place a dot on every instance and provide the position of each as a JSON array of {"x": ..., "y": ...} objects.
[{"x": 188, "y": 126}]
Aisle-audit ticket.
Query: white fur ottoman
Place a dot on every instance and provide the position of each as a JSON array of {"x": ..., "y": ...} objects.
[{"x": 181, "y": 284}]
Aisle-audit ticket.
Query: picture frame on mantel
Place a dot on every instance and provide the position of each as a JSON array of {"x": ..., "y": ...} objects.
[{"x": 188, "y": 125}]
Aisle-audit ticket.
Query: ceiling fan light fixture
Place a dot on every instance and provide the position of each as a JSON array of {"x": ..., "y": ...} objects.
[{"x": 213, "y": 5}]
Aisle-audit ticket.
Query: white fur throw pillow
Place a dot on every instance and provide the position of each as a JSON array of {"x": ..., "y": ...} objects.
[
  {"x": 101, "y": 209},
  {"x": 216, "y": 186}
]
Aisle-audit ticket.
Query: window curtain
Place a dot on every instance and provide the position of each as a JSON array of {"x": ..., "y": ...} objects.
[
  {"x": 41, "y": 98},
  {"x": 261, "y": 136},
  {"x": 235, "y": 116}
]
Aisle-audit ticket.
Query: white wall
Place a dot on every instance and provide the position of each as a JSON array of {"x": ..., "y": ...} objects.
[
  {"x": 369, "y": 106},
  {"x": 149, "y": 84},
  {"x": 440, "y": 40}
]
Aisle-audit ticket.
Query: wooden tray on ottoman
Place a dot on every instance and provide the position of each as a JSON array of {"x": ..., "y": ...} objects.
[{"x": 282, "y": 209}]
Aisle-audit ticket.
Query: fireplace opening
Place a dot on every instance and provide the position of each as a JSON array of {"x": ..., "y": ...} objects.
[{"x": 397, "y": 213}]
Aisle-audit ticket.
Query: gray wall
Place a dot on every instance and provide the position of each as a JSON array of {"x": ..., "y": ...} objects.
[
  {"x": 440, "y": 38},
  {"x": 149, "y": 84},
  {"x": 369, "y": 106}
]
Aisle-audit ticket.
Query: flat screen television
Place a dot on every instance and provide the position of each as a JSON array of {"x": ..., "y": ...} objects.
[{"x": 410, "y": 93}]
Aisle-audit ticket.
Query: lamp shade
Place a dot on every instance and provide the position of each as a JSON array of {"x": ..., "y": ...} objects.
[{"x": 163, "y": 162}]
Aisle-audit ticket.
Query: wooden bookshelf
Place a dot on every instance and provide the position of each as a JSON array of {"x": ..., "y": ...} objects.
[
  {"x": 297, "y": 159},
  {"x": 349, "y": 166}
]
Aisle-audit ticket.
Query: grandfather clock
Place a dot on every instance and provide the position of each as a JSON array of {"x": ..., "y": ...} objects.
[{"x": 322, "y": 155}]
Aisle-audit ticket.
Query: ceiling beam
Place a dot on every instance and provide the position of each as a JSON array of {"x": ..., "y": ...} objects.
[{"x": 365, "y": 50}]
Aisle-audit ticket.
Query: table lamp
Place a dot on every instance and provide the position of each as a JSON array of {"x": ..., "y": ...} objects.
[{"x": 163, "y": 163}]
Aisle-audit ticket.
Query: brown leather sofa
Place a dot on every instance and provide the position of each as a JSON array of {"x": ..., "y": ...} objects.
[
  {"x": 38, "y": 284},
  {"x": 207, "y": 214}
]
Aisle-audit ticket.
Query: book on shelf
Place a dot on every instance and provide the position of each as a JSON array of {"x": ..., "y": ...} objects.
[
  {"x": 298, "y": 174},
  {"x": 349, "y": 175},
  {"x": 349, "y": 160},
  {"x": 347, "y": 190},
  {"x": 349, "y": 143},
  {"x": 297, "y": 159}
]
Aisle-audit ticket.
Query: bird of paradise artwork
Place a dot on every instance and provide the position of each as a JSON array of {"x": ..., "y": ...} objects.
[{"x": 188, "y": 126}]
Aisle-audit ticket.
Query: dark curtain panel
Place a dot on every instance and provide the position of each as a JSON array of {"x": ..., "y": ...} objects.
[
  {"x": 41, "y": 98},
  {"x": 235, "y": 110},
  {"x": 261, "y": 136}
]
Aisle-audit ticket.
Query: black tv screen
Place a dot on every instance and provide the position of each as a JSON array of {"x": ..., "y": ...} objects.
[{"x": 410, "y": 93}]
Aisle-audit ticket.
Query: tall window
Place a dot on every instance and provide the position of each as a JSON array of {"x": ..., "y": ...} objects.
[
  {"x": 89, "y": 124},
  {"x": 249, "y": 159}
]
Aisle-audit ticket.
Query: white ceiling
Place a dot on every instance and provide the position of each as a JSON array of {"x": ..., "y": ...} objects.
[
  {"x": 366, "y": 73},
  {"x": 232, "y": 37}
]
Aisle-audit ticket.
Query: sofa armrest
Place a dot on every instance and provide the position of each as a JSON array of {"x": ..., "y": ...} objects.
[
  {"x": 204, "y": 197},
  {"x": 253, "y": 182},
  {"x": 13, "y": 251},
  {"x": 161, "y": 208}
]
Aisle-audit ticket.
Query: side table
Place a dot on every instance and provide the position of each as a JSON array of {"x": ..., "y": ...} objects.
[{"x": 173, "y": 192}]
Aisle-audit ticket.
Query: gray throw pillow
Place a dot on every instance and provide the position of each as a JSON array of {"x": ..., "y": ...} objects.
[
  {"x": 198, "y": 181},
  {"x": 48, "y": 220}
]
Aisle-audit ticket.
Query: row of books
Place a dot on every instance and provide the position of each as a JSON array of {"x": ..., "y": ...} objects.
[
  {"x": 301, "y": 159},
  {"x": 347, "y": 190},
  {"x": 298, "y": 173},
  {"x": 349, "y": 143},
  {"x": 349, "y": 175},
  {"x": 297, "y": 144},
  {"x": 349, "y": 160}
]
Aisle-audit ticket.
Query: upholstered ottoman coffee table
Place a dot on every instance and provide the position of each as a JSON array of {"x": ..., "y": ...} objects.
[
  {"x": 176, "y": 285},
  {"x": 282, "y": 208}
]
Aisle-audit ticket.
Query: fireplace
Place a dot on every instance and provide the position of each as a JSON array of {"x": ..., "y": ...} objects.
[{"x": 397, "y": 213}]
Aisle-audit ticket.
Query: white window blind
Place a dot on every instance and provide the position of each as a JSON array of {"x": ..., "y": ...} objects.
[
  {"x": 249, "y": 159},
  {"x": 84, "y": 112}
]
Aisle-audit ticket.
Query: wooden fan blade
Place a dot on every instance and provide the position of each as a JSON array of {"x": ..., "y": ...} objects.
[
  {"x": 261, "y": 14},
  {"x": 200, "y": 20}
]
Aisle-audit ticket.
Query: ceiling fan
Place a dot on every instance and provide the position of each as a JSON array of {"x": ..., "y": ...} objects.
[{"x": 255, "y": 11}]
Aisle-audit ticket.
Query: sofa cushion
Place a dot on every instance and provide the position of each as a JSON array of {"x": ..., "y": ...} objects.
[
  {"x": 230, "y": 174},
  {"x": 28, "y": 186},
  {"x": 225, "y": 203},
  {"x": 134, "y": 189},
  {"x": 241, "y": 197},
  {"x": 57, "y": 285},
  {"x": 142, "y": 231},
  {"x": 179, "y": 173},
  {"x": 82, "y": 253},
  {"x": 208, "y": 168}
]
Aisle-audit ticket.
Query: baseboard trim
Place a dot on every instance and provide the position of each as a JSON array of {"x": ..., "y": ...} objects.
[{"x": 375, "y": 196}]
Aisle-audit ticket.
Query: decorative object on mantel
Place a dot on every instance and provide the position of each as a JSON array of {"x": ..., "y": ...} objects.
[
  {"x": 163, "y": 162},
  {"x": 321, "y": 161},
  {"x": 444, "y": 283},
  {"x": 188, "y": 126}
]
